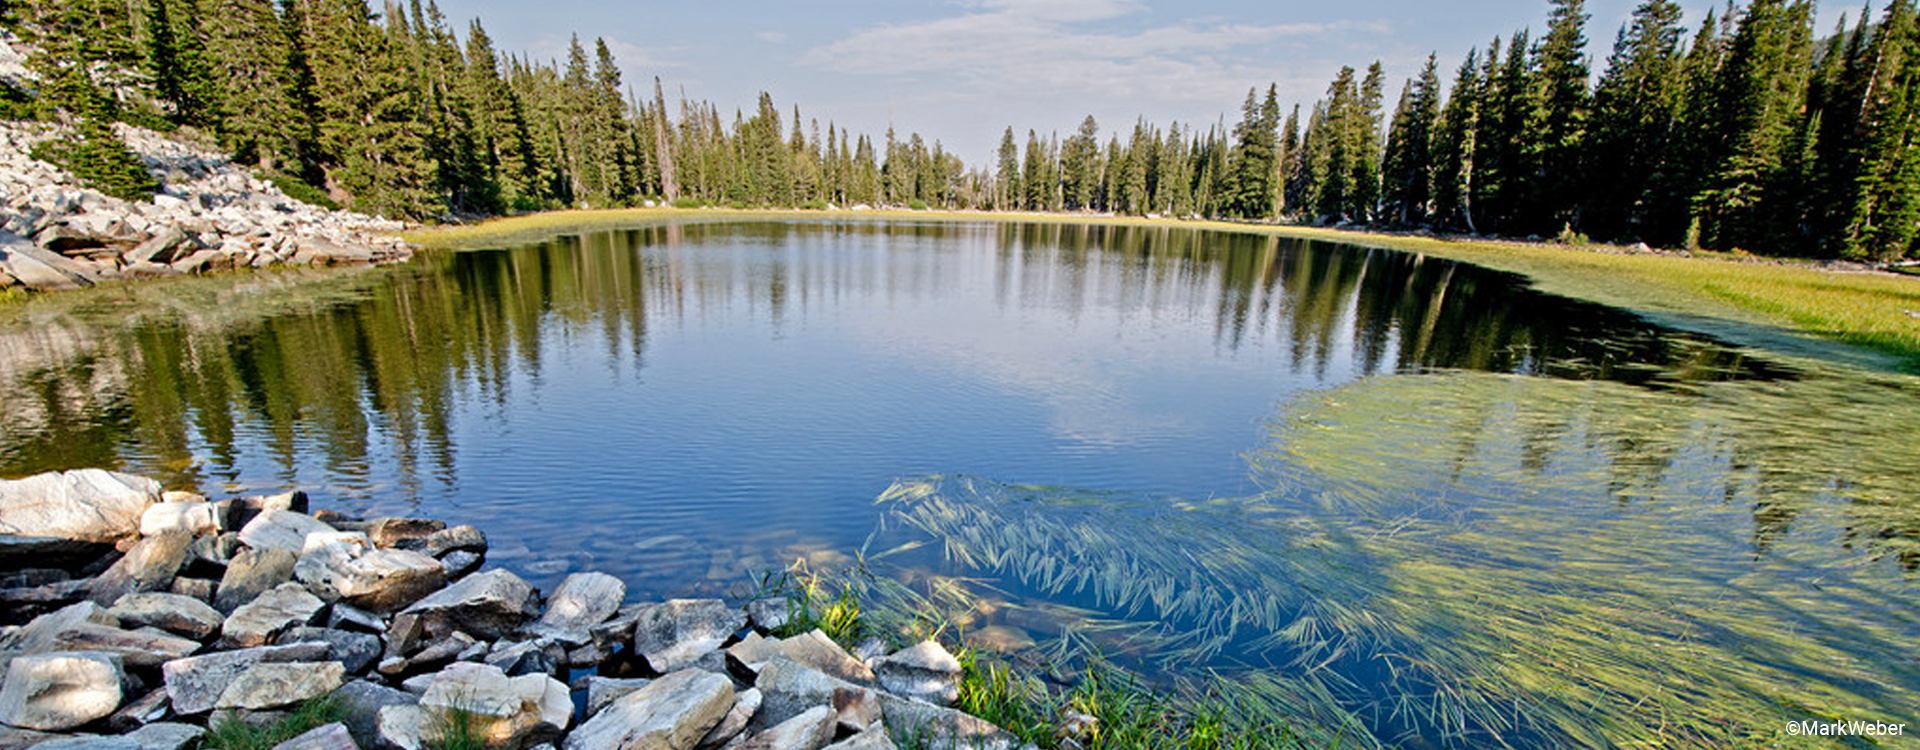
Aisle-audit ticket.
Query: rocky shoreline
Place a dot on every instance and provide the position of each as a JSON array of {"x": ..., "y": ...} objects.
[
  {"x": 210, "y": 215},
  {"x": 135, "y": 619}
]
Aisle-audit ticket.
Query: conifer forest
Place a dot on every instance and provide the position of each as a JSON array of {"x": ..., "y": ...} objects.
[{"x": 1746, "y": 128}]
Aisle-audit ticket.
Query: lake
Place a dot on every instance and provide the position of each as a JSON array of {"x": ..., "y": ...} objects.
[{"x": 1407, "y": 500}]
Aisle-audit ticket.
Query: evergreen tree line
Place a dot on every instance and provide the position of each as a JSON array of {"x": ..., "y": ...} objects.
[
  {"x": 1749, "y": 133},
  {"x": 1746, "y": 132}
]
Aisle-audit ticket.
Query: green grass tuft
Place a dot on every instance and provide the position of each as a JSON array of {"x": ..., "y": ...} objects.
[{"x": 239, "y": 735}]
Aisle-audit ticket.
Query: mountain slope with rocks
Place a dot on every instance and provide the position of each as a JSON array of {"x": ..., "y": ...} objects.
[{"x": 210, "y": 215}]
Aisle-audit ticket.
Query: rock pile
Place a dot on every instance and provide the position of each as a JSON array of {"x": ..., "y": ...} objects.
[
  {"x": 138, "y": 617},
  {"x": 210, "y": 215}
]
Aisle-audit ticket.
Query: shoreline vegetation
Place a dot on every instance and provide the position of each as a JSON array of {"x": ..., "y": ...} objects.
[{"x": 1797, "y": 307}]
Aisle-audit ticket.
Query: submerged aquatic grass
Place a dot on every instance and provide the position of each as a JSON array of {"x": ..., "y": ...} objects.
[{"x": 1467, "y": 559}]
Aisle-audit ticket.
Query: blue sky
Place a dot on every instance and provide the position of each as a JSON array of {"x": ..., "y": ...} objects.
[{"x": 959, "y": 71}]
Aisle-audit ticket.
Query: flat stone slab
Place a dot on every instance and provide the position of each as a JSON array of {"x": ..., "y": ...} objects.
[
  {"x": 195, "y": 683},
  {"x": 282, "y": 529},
  {"x": 174, "y": 613},
  {"x": 489, "y": 604},
  {"x": 265, "y": 685},
  {"x": 324, "y": 737},
  {"x": 674, "y": 711},
  {"x": 810, "y": 730},
  {"x": 91, "y": 505},
  {"x": 193, "y": 517}
]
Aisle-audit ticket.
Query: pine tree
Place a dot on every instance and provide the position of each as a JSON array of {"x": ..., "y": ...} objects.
[
  {"x": 1408, "y": 164},
  {"x": 1363, "y": 132},
  {"x": 1882, "y": 212},
  {"x": 1634, "y": 111},
  {"x": 1080, "y": 167},
  {"x": 1670, "y": 218},
  {"x": 1561, "y": 77},
  {"x": 1454, "y": 145},
  {"x": 1254, "y": 192},
  {"x": 1761, "y": 88},
  {"x": 249, "y": 58},
  {"x": 1007, "y": 173},
  {"x": 1292, "y": 165}
]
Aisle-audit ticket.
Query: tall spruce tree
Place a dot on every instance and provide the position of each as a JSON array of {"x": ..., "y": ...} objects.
[
  {"x": 1761, "y": 88},
  {"x": 1408, "y": 164},
  {"x": 1454, "y": 144},
  {"x": 1634, "y": 112},
  {"x": 1561, "y": 114}
]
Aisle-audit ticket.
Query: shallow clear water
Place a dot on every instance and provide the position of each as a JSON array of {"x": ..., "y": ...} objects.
[{"x": 1380, "y": 446}]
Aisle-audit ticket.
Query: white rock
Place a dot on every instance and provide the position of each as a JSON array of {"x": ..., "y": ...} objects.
[
  {"x": 53, "y": 692},
  {"x": 87, "y": 504},
  {"x": 192, "y": 517},
  {"x": 282, "y": 529}
]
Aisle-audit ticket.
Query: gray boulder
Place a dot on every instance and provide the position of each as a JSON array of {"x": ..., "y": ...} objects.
[
  {"x": 282, "y": 529},
  {"x": 148, "y": 566},
  {"x": 377, "y": 580},
  {"x": 812, "y": 648},
  {"x": 166, "y": 735},
  {"x": 674, "y": 711},
  {"x": 90, "y": 505},
  {"x": 256, "y": 623},
  {"x": 355, "y": 651},
  {"x": 925, "y": 671},
  {"x": 581, "y": 601},
  {"x": 745, "y": 704},
  {"x": 360, "y": 703},
  {"x": 507, "y": 711},
  {"x": 58, "y": 691},
  {"x": 195, "y": 518},
  {"x": 251, "y": 573},
  {"x": 490, "y": 604},
  {"x": 677, "y": 633},
  {"x": 875, "y": 738},
  {"x": 790, "y": 689},
  {"x": 602, "y": 691},
  {"x": 170, "y": 612},
  {"x": 162, "y": 247}
]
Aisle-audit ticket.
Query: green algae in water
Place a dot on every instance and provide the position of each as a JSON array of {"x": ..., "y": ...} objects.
[{"x": 1467, "y": 559}]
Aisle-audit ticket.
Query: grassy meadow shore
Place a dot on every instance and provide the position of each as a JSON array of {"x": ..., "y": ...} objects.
[{"x": 1850, "y": 314}]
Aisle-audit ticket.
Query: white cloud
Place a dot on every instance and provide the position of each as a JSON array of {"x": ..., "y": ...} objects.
[
  {"x": 1045, "y": 48},
  {"x": 771, "y": 37}
]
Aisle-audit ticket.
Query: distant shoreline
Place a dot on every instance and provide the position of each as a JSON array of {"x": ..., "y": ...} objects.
[{"x": 1798, "y": 307}]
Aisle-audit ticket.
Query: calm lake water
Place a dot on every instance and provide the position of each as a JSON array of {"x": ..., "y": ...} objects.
[{"x": 1407, "y": 500}]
